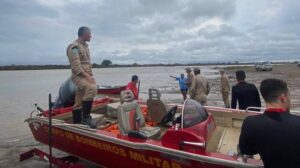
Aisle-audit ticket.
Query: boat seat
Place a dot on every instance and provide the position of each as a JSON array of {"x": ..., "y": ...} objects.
[
  {"x": 157, "y": 109},
  {"x": 112, "y": 109},
  {"x": 126, "y": 96},
  {"x": 97, "y": 117},
  {"x": 131, "y": 119}
]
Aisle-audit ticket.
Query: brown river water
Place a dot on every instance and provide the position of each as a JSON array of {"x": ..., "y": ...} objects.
[{"x": 19, "y": 90}]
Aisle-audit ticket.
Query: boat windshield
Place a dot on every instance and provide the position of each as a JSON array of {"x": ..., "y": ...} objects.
[{"x": 193, "y": 113}]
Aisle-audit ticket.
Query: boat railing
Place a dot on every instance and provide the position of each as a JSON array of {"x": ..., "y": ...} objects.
[
  {"x": 196, "y": 144},
  {"x": 295, "y": 112},
  {"x": 61, "y": 123},
  {"x": 80, "y": 126},
  {"x": 262, "y": 109},
  {"x": 254, "y": 109},
  {"x": 38, "y": 110},
  {"x": 223, "y": 109}
]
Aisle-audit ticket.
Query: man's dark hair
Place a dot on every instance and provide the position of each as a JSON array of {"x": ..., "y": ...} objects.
[
  {"x": 240, "y": 75},
  {"x": 82, "y": 30},
  {"x": 134, "y": 77},
  {"x": 271, "y": 89}
]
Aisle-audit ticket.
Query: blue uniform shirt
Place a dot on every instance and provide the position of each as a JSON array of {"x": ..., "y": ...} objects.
[{"x": 182, "y": 84}]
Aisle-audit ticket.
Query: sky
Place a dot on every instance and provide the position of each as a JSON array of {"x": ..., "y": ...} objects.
[{"x": 151, "y": 31}]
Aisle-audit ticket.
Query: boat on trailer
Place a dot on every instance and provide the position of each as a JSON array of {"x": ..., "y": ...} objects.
[{"x": 149, "y": 134}]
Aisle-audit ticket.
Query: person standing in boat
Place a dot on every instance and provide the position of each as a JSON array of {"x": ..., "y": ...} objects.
[
  {"x": 225, "y": 88},
  {"x": 189, "y": 79},
  {"x": 246, "y": 94},
  {"x": 274, "y": 135},
  {"x": 200, "y": 88},
  {"x": 132, "y": 86},
  {"x": 182, "y": 85},
  {"x": 79, "y": 57}
]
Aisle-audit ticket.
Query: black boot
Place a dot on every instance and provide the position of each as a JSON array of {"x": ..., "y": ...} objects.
[
  {"x": 76, "y": 116},
  {"x": 86, "y": 117}
]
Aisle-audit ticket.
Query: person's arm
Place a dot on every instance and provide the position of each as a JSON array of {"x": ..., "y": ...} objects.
[
  {"x": 207, "y": 88},
  {"x": 184, "y": 82},
  {"x": 189, "y": 80},
  {"x": 222, "y": 84},
  {"x": 133, "y": 89},
  {"x": 233, "y": 98},
  {"x": 128, "y": 87},
  {"x": 258, "y": 103},
  {"x": 173, "y": 77},
  {"x": 88, "y": 77},
  {"x": 135, "y": 93},
  {"x": 193, "y": 89},
  {"x": 247, "y": 138},
  {"x": 73, "y": 55},
  {"x": 226, "y": 84}
]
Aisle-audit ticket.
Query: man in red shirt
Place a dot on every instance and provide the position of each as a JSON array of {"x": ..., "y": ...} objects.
[{"x": 132, "y": 86}]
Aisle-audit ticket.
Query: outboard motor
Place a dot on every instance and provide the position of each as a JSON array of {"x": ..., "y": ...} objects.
[{"x": 66, "y": 95}]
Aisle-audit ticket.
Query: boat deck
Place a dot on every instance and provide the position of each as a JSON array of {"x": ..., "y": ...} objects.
[{"x": 225, "y": 139}]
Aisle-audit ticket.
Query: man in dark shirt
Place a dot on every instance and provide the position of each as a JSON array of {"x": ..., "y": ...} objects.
[
  {"x": 246, "y": 94},
  {"x": 274, "y": 135}
]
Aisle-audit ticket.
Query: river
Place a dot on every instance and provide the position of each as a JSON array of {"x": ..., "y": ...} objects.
[{"x": 20, "y": 90}]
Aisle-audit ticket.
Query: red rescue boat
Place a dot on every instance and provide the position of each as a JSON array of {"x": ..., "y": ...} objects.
[
  {"x": 110, "y": 90},
  {"x": 196, "y": 137}
]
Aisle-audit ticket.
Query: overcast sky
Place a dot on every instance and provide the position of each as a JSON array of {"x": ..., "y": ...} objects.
[{"x": 151, "y": 31}]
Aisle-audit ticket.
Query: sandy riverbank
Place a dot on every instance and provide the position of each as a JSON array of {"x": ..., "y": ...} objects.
[{"x": 287, "y": 72}]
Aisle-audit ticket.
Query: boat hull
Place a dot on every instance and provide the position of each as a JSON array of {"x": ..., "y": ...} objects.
[
  {"x": 110, "y": 151},
  {"x": 107, "y": 153},
  {"x": 111, "y": 91}
]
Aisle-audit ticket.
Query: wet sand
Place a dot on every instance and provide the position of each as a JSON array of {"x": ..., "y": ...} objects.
[
  {"x": 287, "y": 72},
  {"x": 10, "y": 150}
]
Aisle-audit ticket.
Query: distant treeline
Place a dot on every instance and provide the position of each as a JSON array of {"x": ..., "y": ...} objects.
[
  {"x": 103, "y": 65},
  {"x": 32, "y": 67},
  {"x": 45, "y": 67}
]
